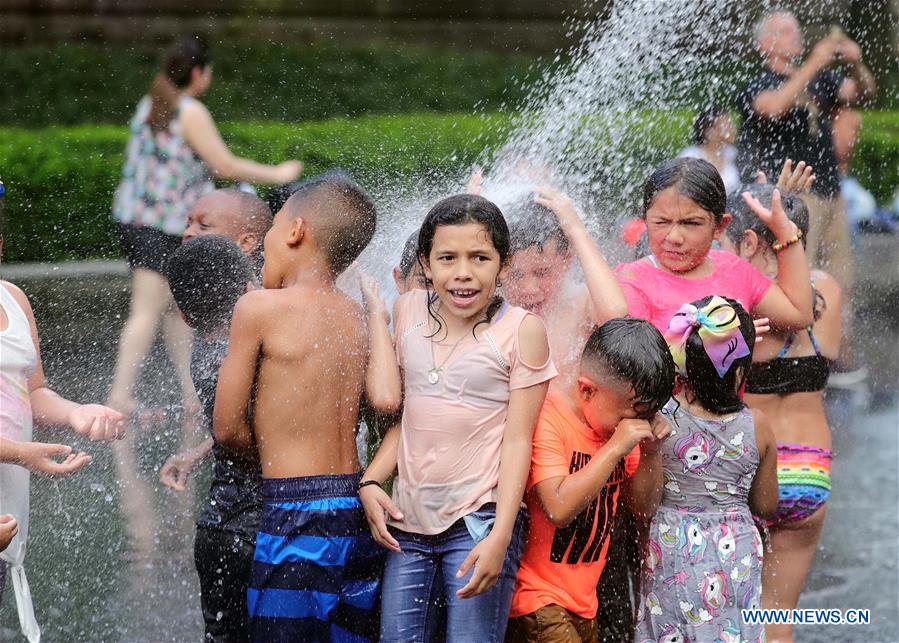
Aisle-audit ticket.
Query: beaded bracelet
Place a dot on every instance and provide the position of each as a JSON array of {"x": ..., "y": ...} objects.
[
  {"x": 366, "y": 483},
  {"x": 777, "y": 246}
]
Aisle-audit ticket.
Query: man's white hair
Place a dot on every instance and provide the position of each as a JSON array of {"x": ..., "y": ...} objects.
[{"x": 762, "y": 26}]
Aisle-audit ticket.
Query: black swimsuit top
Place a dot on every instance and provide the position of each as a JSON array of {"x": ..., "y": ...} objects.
[{"x": 784, "y": 375}]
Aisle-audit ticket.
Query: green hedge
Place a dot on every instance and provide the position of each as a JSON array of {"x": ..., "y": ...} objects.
[
  {"x": 70, "y": 84},
  {"x": 60, "y": 180}
]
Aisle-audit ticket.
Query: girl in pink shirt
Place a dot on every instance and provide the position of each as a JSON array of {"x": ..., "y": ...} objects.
[
  {"x": 476, "y": 371},
  {"x": 683, "y": 206}
]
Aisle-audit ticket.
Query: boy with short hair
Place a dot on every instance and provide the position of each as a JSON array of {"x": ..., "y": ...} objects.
[
  {"x": 585, "y": 460},
  {"x": 298, "y": 352},
  {"x": 242, "y": 217},
  {"x": 546, "y": 235},
  {"x": 207, "y": 275}
]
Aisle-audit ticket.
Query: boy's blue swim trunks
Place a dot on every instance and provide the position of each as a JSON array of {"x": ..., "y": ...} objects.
[{"x": 316, "y": 571}]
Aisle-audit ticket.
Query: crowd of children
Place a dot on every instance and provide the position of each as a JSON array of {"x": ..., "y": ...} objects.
[{"x": 523, "y": 412}]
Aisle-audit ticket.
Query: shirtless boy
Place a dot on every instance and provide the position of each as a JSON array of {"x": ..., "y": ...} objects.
[{"x": 298, "y": 352}]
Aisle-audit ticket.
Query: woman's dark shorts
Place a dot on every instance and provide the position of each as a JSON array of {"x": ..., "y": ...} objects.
[{"x": 147, "y": 247}]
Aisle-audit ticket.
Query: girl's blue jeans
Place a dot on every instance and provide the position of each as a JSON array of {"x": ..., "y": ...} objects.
[{"x": 420, "y": 580}]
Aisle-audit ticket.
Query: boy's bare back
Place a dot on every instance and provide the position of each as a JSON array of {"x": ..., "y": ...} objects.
[{"x": 310, "y": 379}]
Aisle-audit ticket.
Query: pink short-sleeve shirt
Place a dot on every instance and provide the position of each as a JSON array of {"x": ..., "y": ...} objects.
[
  {"x": 452, "y": 430},
  {"x": 655, "y": 295}
]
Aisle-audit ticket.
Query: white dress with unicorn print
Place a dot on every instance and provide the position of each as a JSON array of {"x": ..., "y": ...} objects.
[{"x": 703, "y": 562}]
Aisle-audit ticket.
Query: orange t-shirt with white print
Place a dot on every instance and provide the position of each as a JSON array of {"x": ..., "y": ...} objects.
[{"x": 562, "y": 565}]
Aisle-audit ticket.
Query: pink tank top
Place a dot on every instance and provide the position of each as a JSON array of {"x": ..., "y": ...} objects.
[{"x": 452, "y": 429}]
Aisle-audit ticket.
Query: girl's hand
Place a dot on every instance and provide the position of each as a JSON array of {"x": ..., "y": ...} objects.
[
  {"x": 560, "y": 204},
  {"x": 177, "y": 470},
  {"x": 487, "y": 557},
  {"x": 795, "y": 180},
  {"x": 40, "y": 458},
  {"x": 371, "y": 296},
  {"x": 377, "y": 504},
  {"x": 97, "y": 422},
  {"x": 774, "y": 219},
  {"x": 474, "y": 183},
  {"x": 762, "y": 326},
  {"x": 8, "y": 530}
]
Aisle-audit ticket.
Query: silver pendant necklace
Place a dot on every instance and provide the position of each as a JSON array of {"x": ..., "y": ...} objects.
[{"x": 434, "y": 373}]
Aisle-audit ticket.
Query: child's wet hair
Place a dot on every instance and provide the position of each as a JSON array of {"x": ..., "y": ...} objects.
[
  {"x": 409, "y": 255},
  {"x": 534, "y": 225},
  {"x": 459, "y": 210},
  {"x": 341, "y": 214},
  {"x": 718, "y": 394},
  {"x": 633, "y": 352},
  {"x": 696, "y": 179},
  {"x": 745, "y": 219},
  {"x": 207, "y": 275}
]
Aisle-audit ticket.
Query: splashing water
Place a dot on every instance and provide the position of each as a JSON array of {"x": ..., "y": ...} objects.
[
  {"x": 595, "y": 128},
  {"x": 599, "y": 125}
]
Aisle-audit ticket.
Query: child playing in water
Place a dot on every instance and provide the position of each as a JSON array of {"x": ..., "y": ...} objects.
[
  {"x": 25, "y": 397},
  {"x": 584, "y": 461},
  {"x": 242, "y": 217},
  {"x": 546, "y": 237},
  {"x": 786, "y": 382},
  {"x": 207, "y": 275},
  {"x": 684, "y": 209},
  {"x": 703, "y": 558},
  {"x": 476, "y": 372},
  {"x": 298, "y": 353}
]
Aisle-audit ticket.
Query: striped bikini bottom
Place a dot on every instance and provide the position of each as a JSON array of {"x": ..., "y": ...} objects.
[{"x": 803, "y": 478}]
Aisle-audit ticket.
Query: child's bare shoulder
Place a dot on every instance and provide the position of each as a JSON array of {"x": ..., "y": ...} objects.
[
  {"x": 18, "y": 294},
  {"x": 257, "y": 305}
]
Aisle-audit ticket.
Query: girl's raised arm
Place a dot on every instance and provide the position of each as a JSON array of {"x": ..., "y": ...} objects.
[
  {"x": 383, "y": 385},
  {"x": 788, "y": 303},
  {"x": 605, "y": 294}
]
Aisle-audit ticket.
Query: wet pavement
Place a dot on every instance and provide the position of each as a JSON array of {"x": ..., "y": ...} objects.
[{"x": 89, "y": 586}]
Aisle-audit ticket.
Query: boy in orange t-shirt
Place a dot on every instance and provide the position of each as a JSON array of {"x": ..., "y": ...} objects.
[{"x": 585, "y": 458}]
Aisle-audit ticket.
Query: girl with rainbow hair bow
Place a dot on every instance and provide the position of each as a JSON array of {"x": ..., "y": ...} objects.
[{"x": 711, "y": 341}]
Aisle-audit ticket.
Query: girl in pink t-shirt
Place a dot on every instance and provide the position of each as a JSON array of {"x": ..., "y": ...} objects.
[
  {"x": 475, "y": 371},
  {"x": 683, "y": 206}
]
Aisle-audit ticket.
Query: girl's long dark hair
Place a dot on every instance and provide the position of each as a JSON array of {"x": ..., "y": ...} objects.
[
  {"x": 459, "y": 210},
  {"x": 720, "y": 395},
  {"x": 175, "y": 74}
]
